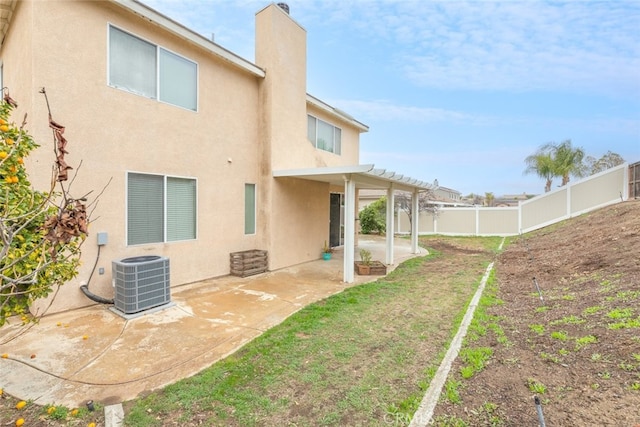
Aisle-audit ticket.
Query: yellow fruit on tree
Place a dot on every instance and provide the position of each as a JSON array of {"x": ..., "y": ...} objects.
[
  {"x": 14, "y": 179},
  {"x": 21, "y": 404},
  {"x": 9, "y": 141},
  {"x": 19, "y": 422},
  {"x": 3, "y": 122},
  {"x": 20, "y": 160},
  {"x": 8, "y": 179},
  {"x": 3, "y": 155},
  {"x": 4, "y": 128}
]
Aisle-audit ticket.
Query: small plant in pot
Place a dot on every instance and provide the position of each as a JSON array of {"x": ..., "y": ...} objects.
[
  {"x": 364, "y": 266},
  {"x": 326, "y": 251}
]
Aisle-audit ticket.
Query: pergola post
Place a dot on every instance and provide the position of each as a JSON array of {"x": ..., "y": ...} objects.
[
  {"x": 390, "y": 224},
  {"x": 415, "y": 206},
  {"x": 349, "y": 228}
]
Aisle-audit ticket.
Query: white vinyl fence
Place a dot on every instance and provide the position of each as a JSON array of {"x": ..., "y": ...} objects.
[{"x": 599, "y": 190}]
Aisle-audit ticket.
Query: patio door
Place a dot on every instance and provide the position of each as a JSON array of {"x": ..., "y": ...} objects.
[{"x": 336, "y": 220}]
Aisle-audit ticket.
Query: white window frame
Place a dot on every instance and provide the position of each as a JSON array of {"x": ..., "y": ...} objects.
[
  {"x": 165, "y": 232},
  {"x": 158, "y": 76},
  {"x": 336, "y": 142}
]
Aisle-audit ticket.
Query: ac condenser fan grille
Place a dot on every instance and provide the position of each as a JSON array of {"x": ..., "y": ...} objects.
[{"x": 141, "y": 283}]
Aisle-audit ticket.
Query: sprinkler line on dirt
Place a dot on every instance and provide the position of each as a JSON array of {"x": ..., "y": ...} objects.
[{"x": 424, "y": 413}]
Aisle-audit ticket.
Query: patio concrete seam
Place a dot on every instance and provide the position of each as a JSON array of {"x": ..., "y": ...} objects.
[{"x": 424, "y": 413}]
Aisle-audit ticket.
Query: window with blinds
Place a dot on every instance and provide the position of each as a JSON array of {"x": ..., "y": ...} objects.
[
  {"x": 145, "y": 69},
  {"x": 323, "y": 135},
  {"x": 160, "y": 208}
]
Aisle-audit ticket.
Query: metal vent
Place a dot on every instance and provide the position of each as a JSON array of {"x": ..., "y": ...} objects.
[{"x": 141, "y": 283}]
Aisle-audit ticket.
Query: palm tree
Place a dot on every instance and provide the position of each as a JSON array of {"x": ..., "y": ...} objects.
[
  {"x": 567, "y": 161},
  {"x": 541, "y": 163},
  {"x": 489, "y": 198}
]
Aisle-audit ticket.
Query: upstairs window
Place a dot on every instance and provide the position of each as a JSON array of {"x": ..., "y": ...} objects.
[
  {"x": 145, "y": 69},
  {"x": 323, "y": 135}
]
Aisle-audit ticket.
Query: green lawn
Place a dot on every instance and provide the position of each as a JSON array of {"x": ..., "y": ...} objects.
[{"x": 361, "y": 357}]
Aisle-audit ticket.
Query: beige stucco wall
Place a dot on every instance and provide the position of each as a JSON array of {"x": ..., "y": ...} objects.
[
  {"x": 245, "y": 127},
  {"x": 15, "y": 54},
  {"x": 112, "y": 131}
]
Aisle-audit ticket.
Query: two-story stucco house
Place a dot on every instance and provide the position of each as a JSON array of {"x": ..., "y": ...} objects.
[{"x": 205, "y": 153}]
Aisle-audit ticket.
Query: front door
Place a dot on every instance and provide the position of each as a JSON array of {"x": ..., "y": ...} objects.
[{"x": 335, "y": 220}]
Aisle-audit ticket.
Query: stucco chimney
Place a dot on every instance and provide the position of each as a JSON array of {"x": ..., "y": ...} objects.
[
  {"x": 284, "y": 7},
  {"x": 281, "y": 50}
]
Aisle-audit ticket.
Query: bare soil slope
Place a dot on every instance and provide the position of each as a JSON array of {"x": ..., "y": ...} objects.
[{"x": 577, "y": 348}]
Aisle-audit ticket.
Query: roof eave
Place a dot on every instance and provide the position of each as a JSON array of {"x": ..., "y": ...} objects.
[
  {"x": 336, "y": 113},
  {"x": 185, "y": 33}
]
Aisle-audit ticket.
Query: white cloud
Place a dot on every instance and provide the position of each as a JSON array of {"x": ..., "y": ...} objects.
[
  {"x": 515, "y": 46},
  {"x": 384, "y": 110}
]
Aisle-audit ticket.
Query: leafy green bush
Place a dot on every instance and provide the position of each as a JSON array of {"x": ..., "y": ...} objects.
[
  {"x": 373, "y": 217},
  {"x": 41, "y": 232}
]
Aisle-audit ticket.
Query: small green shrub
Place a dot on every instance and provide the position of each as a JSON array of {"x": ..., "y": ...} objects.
[
  {"x": 560, "y": 335},
  {"x": 549, "y": 357},
  {"x": 568, "y": 320},
  {"x": 451, "y": 392},
  {"x": 583, "y": 341},
  {"x": 538, "y": 329},
  {"x": 373, "y": 217},
  {"x": 620, "y": 313},
  {"x": 536, "y": 386},
  {"x": 591, "y": 310}
]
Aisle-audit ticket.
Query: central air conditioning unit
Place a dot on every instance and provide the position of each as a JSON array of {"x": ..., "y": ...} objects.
[{"x": 141, "y": 283}]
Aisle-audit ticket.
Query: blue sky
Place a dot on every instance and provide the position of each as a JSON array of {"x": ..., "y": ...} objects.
[{"x": 460, "y": 91}]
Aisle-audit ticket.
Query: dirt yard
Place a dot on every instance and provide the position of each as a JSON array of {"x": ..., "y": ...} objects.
[{"x": 576, "y": 344}]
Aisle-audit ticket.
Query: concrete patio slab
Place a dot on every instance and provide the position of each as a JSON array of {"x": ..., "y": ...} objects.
[{"x": 94, "y": 354}]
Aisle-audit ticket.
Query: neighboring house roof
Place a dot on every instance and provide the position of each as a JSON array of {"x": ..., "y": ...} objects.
[
  {"x": 450, "y": 190},
  {"x": 366, "y": 176},
  {"x": 434, "y": 199}
]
